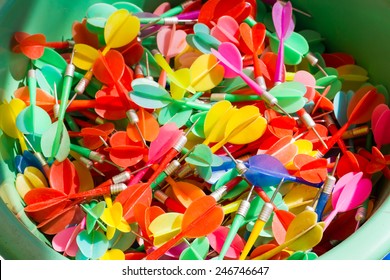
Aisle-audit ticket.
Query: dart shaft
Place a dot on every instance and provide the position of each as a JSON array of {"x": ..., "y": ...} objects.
[
  {"x": 332, "y": 141},
  {"x": 160, "y": 178},
  {"x": 66, "y": 88},
  {"x": 257, "y": 228},
  {"x": 192, "y": 104},
  {"x": 279, "y": 62},
  {"x": 234, "y": 97},
  {"x": 333, "y": 130},
  {"x": 231, "y": 207},
  {"x": 236, "y": 224},
  {"x": 58, "y": 45},
  {"x": 322, "y": 201}
]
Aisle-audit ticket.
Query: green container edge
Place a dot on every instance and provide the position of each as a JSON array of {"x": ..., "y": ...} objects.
[{"x": 19, "y": 237}]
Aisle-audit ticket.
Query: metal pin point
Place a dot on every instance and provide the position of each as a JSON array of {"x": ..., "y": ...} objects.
[
  {"x": 322, "y": 70},
  {"x": 191, "y": 127},
  {"x": 277, "y": 190},
  {"x": 98, "y": 171},
  {"x": 104, "y": 141},
  {"x": 140, "y": 169},
  {"x": 71, "y": 100},
  {"x": 335, "y": 165},
  {"x": 186, "y": 154},
  {"x": 133, "y": 118},
  {"x": 320, "y": 138},
  {"x": 140, "y": 134},
  {"x": 281, "y": 109},
  {"x": 297, "y": 10},
  {"x": 230, "y": 155},
  {"x": 113, "y": 164},
  {"x": 150, "y": 24},
  {"x": 250, "y": 193},
  {"x": 56, "y": 107},
  {"x": 149, "y": 35},
  {"x": 148, "y": 68}
]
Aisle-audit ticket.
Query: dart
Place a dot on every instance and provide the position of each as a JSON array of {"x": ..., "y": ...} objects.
[{"x": 263, "y": 218}]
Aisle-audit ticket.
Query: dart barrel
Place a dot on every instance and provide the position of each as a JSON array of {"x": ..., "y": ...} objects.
[{"x": 352, "y": 27}]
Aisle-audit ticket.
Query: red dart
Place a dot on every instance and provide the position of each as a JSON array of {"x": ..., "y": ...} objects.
[
  {"x": 284, "y": 150},
  {"x": 330, "y": 124},
  {"x": 311, "y": 169},
  {"x": 109, "y": 70},
  {"x": 125, "y": 152},
  {"x": 34, "y": 45},
  {"x": 202, "y": 217},
  {"x": 336, "y": 60},
  {"x": 378, "y": 162},
  {"x": 252, "y": 41},
  {"x": 214, "y": 9},
  {"x": 63, "y": 177},
  {"x": 61, "y": 220},
  {"x": 132, "y": 52},
  {"x": 359, "y": 111}
]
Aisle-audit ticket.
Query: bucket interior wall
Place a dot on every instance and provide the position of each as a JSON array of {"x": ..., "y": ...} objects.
[{"x": 353, "y": 28}]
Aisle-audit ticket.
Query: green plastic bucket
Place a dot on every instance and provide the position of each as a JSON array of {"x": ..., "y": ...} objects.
[{"x": 352, "y": 28}]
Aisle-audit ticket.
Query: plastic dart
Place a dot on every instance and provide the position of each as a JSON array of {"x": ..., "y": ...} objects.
[
  {"x": 332, "y": 128},
  {"x": 116, "y": 34},
  {"x": 55, "y": 141},
  {"x": 56, "y": 61},
  {"x": 33, "y": 45},
  {"x": 358, "y": 112},
  {"x": 230, "y": 57},
  {"x": 33, "y": 119},
  {"x": 265, "y": 170},
  {"x": 298, "y": 49},
  {"x": 141, "y": 95},
  {"x": 244, "y": 125},
  {"x": 284, "y": 26},
  {"x": 173, "y": 152},
  {"x": 201, "y": 218},
  {"x": 226, "y": 29},
  {"x": 253, "y": 39},
  {"x": 350, "y": 191}
]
